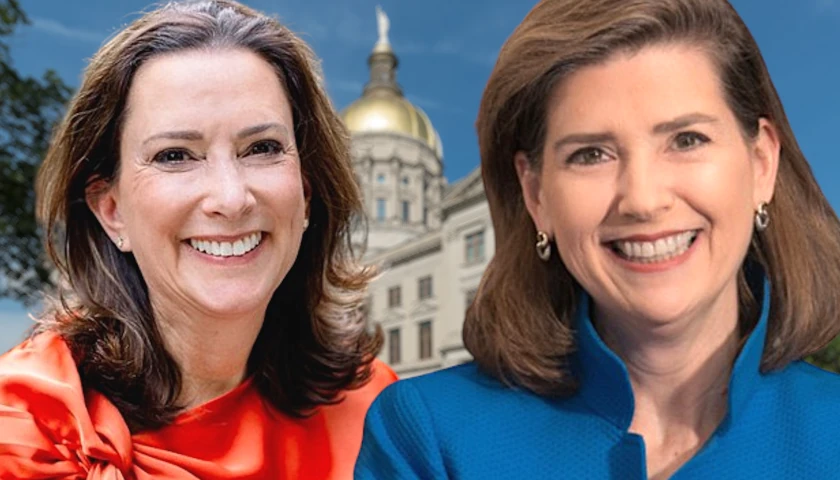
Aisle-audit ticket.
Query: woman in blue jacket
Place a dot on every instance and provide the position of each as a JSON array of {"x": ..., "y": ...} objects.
[{"x": 664, "y": 261}]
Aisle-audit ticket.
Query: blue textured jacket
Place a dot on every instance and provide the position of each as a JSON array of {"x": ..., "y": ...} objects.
[{"x": 461, "y": 423}]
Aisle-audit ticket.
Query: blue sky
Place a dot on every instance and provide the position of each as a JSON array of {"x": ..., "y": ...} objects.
[{"x": 446, "y": 50}]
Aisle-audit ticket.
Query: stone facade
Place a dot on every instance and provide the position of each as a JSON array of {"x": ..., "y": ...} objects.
[
  {"x": 453, "y": 256},
  {"x": 430, "y": 240}
]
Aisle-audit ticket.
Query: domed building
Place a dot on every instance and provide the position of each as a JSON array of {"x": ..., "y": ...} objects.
[
  {"x": 431, "y": 240},
  {"x": 398, "y": 157}
]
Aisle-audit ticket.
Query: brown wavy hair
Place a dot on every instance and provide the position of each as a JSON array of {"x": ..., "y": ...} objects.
[
  {"x": 519, "y": 328},
  {"x": 314, "y": 342}
]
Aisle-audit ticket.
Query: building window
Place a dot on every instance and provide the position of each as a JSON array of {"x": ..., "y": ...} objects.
[
  {"x": 394, "y": 346},
  {"x": 469, "y": 297},
  {"x": 424, "y": 288},
  {"x": 405, "y": 210},
  {"x": 394, "y": 297},
  {"x": 474, "y": 247},
  {"x": 367, "y": 307},
  {"x": 405, "y": 180},
  {"x": 380, "y": 209},
  {"x": 425, "y": 339},
  {"x": 380, "y": 178}
]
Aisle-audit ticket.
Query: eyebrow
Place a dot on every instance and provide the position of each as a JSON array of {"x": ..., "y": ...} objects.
[
  {"x": 175, "y": 135},
  {"x": 683, "y": 121},
  {"x": 583, "y": 138},
  {"x": 194, "y": 135},
  {"x": 263, "y": 127},
  {"x": 678, "y": 123}
]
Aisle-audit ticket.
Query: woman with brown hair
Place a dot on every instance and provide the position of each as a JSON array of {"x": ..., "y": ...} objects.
[
  {"x": 666, "y": 262},
  {"x": 197, "y": 200}
]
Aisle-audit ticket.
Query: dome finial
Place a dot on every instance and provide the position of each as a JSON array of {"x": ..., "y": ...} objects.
[{"x": 383, "y": 25}]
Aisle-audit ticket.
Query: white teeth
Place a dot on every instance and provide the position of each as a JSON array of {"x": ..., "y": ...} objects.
[
  {"x": 656, "y": 251},
  {"x": 238, "y": 247},
  {"x": 661, "y": 247},
  {"x": 228, "y": 249}
]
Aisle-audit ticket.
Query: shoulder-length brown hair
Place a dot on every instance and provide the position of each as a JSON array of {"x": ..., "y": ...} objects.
[
  {"x": 313, "y": 343},
  {"x": 519, "y": 328}
]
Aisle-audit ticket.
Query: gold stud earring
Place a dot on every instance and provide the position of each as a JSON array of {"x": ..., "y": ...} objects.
[
  {"x": 762, "y": 217},
  {"x": 305, "y": 223},
  {"x": 543, "y": 246}
]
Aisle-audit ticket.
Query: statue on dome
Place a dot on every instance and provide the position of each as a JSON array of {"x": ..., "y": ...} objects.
[{"x": 383, "y": 24}]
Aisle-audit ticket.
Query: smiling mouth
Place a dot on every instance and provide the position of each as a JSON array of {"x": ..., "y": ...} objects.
[
  {"x": 227, "y": 249},
  {"x": 659, "y": 250}
]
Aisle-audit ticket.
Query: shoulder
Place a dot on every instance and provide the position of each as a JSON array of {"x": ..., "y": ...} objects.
[
  {"x": 419, "y": 425},
  {"x": 449, "y": 389},
  {"x": 806, "y": 379},
  {"x": 802, "y": 382},
  {"x": 464, "y": 381},
  {"x": 382, "y": 374},
  {"x": 47, "y": 416},
  {"x": 453, "y": 396},
  {"x": 358, "y": 400},
  {"x": 349, "y": 412},
  {"x": 45, "y": 356},
  {"x": 802, "y": 398}
]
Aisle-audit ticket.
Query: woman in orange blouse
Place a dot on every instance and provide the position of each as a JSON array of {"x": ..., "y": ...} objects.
[{"x": 197, "y": 201}]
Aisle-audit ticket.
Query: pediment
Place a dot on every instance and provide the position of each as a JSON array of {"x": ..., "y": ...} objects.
[
  {"x": 391, "y": 316},
  {"x": 424, "y": 307}
]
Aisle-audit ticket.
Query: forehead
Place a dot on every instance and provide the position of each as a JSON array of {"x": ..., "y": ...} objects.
[
  {"x": 194, "y": 84},
  {"x": 661, "y": 81}
]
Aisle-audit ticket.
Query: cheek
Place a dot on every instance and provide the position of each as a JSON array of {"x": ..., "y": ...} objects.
[
  {"x": 576, "y": 208},
  {"x": 283, "y": 193},
  {"x": 722, "y": 190},
  {"x": 157, "y": 205}
]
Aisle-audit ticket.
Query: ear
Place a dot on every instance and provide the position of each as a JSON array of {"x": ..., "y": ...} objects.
[
  {"x": 529, "y": 182},
  {"x": 103, "y": 200},
  {"x": 766, "y": 150}
]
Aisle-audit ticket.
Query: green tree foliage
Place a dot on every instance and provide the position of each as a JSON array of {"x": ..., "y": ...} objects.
[
  {"x": 29, "y": 107},
  {"x": 829, "y": 357}
]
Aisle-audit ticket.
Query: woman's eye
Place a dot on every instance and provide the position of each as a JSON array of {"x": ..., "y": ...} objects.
[
  {"x": 265, "y": 147},
  {"x": 171, "y": 156},
  {"x": 689, "y": 140},
  {"x": 587, "y": 156}
]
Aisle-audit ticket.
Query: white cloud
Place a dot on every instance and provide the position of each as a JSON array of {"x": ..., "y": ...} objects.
[{"x": 57, "y": 28}]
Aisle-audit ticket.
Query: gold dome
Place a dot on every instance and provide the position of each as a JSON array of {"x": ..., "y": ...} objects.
[{"x": 389, "y": 112}]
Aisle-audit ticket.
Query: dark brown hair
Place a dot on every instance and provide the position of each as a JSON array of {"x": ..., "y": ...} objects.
[
  {"x": 519, "y": 327},
  {"x": 314, "y": 342}
]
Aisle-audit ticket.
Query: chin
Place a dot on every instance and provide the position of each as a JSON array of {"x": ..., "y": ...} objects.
[
  {"x": 234, "y": 302},
  {"x": 662, "y": 311}
]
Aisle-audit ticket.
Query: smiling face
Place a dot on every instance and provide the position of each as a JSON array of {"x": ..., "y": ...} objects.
[
  {"x": 210, "y": 198},
  {"x": 648, "y": 185}
]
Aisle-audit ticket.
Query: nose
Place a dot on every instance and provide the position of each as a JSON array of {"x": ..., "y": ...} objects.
[
  {"x": 644, "y": 188},
  {"x": 228, "y": 192}
]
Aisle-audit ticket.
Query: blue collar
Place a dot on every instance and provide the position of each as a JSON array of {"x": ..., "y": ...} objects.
[{"x": 605, "y": 384}]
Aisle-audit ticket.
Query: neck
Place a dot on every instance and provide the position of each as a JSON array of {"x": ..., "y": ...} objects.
[
  {"x": 212, "y": 353},
  {"x": 679, "y": 373}
]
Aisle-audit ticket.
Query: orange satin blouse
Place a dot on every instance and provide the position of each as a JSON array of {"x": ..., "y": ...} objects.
[{"x": 51, "y": 427}]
